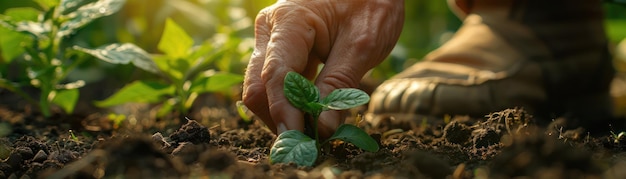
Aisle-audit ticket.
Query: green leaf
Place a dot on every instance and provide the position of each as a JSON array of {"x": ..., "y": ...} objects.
[
  {"x": 345, "y": 98},
  {"x": 22, "y": 14},
  {"x": 66, "y": 99},
  {"x": 123, "y": 54},
  {"x": 356, "y": 136},
  {"x": 294, "y": 146},
  {"x": 215, "y": 82},
  {"x": 173, "y": 68},
  {"x": 202, "y": 50},
  {"x": 175, "y": 42},
  {"x": 300, "y": 91},
  {"x": 138, "y": 91},
  {"x": 242, "y": 110},
  {"x": 67, "y": 5},
  {"x": 36, "y": 29},
  {"x": 12, "y": 41},
  {"x": 615, "y": 29},
  {"x": 88, "y": 13},
  {"x": 47, "y": 4},
  {"x": 12, "y": 44}
]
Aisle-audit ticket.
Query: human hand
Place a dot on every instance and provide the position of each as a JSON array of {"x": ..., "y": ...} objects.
[{"x": 349, "y": 37}]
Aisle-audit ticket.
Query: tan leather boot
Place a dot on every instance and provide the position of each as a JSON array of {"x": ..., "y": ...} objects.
[{"x": 549, "y": 57}]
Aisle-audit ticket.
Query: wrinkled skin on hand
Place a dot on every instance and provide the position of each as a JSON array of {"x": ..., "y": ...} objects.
[{"x": 349, "y": 37}]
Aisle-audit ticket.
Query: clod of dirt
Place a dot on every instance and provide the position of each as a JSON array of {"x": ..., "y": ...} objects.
[
  {"x": 63, "y": 156},
  {"x": 482, "y": 138},
  {"x": 193, "y": 132},
  {"x": 498, "y": 124},
  {"x": 40, "y": 156},
  {"x": 457, "y": 132},
  {"x": 15, "y": 162},
  {"x": 25, "y": 152},
  {"x": 159, "y": 139}
]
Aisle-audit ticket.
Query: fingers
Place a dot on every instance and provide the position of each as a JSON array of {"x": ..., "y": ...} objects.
[
  {"x": 351, "y": 37},
  {"x": 288, "y": 50},
  {"x": 283, "y": 44},
  {"x": 254, "y": 95},
  {"x": 358, "y": 48}
]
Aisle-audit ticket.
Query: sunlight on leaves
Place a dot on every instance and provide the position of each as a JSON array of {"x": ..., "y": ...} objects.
[
  {"x": 347, "y": 98},
  {"x": 67, "y": 5},
  {"x": 138, "y": 91},
  {"x": 123, "y": 54},
  {"x": 174, "y": 69},
  {"x": 66, "y": 99},
  {"x": 88, "y": 13},
  {"x": 47, "y": 4},
  {"x": 175, "y": 42},
  {"x": 216, "y": 82}
]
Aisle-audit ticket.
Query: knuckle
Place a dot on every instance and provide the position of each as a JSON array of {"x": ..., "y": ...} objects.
[
  {"x": 253, "y": 94},
  {"x": 344, "y": 78},
  {"x": 270, "y": 70}
]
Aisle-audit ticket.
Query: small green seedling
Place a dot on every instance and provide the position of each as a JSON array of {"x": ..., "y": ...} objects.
[
  {"x": 39, "y": 37},
  {"x": 617, "y": 138},
  {"x": 293, "y": 145},
  {"x": 187, "y": 71}
]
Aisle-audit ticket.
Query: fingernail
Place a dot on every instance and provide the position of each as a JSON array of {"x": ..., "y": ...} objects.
[{"x": 281, "y": 128}]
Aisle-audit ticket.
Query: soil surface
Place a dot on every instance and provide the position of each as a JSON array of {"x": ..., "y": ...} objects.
[{"x": 215, "y": 142}]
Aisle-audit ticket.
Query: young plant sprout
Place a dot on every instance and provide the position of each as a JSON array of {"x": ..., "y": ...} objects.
[{"x": 295, "y": 146}]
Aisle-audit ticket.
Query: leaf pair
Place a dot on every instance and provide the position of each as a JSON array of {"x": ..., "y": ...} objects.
[
  {"x": 293, "y": 145},
  {"x": 301, "y": 93}
]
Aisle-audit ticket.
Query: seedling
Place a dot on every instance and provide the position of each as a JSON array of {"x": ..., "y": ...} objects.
[
  {"x": 617, "y": 138},
  {"x": 293, "y": 145},
  {"x": 39, "y": 36},
  {"x": 186, "y": 70}
]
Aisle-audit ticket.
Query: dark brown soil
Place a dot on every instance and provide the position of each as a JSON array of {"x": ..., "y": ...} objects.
[{"x": 216, "y": 143}]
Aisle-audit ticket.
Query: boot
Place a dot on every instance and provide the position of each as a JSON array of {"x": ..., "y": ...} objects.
[{"x": 548, "y": 57}]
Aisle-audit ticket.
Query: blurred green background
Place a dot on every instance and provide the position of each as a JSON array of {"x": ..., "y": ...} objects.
[{"x": 427, "y": 25}]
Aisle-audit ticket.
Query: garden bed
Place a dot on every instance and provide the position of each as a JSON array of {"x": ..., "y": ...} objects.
[{"x": 215, "y": 142}]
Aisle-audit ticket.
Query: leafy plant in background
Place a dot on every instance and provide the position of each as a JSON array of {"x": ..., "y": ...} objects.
[
  {"x": 38, "y": 36},
  {"x": 293, "y": 145},
  {"x": 187, "y": 70}
]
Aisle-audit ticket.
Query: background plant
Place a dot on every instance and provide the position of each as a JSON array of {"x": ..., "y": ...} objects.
[
  {"x": 141, "y": 22},
  {"x": 187, "y": 71},
  {"x": 37, "y": 35},
  {"x": 293, "y": 145}
]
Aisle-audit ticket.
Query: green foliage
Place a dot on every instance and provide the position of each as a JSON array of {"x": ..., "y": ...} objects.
[
  {"x": 244, "y": 112},
  {"x": 117, "y": 119},
  {"x": 356, "y": 136},
  {"x": 187, "y": 71},
  {"x": 293, "y": 145},
  {"x": 38, "y": 36}
]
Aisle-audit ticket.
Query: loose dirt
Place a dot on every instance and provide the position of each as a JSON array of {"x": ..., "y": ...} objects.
[{"x": 504, "y": 144}]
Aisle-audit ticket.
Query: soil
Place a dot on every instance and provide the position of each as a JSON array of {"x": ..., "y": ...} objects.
[{"x": 215, "y": 142}]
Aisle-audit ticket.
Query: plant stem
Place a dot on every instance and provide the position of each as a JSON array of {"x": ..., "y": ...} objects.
[
  {"x": 317, "y": 138},
  {"x": 44, "y": 104}
]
